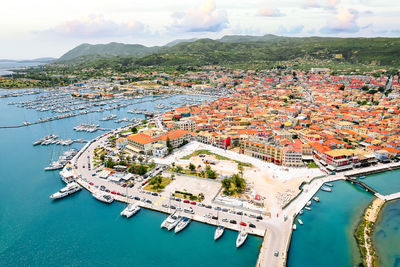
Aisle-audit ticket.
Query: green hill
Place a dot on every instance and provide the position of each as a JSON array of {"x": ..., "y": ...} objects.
[
  {"x": 109, "y": 50},
  {"x": 241, "y": 50}
]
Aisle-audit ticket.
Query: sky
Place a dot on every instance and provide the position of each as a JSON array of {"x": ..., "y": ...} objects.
[{"x": 49, "y": 28}]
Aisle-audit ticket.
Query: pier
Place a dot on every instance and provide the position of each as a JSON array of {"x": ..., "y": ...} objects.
[{"x": 367, "y": 187}]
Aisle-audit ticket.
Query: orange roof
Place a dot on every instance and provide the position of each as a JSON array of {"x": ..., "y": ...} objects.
[{"x": 141, "y": 138}]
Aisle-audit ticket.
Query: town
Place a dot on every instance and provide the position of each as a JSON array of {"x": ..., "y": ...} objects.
[{"x": 241, "y": 161}]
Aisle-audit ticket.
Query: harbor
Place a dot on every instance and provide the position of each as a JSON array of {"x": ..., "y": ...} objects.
[{"x": 54, "y": 225}]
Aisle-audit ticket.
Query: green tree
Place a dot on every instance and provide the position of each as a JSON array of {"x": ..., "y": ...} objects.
[
  {"x": 141, "y": 169},
  {"x": 134, "y": 130},
  {"x": 211, "y": 174},
  {"x": 169, "y": 146},
  {"x": 102, "y": 157},
  {"x": 179, "y": 169},
  {"x": 192, "y": 167}
]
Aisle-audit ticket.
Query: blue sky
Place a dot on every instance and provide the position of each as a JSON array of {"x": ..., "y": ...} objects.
[{"x": 39, "y": 28}]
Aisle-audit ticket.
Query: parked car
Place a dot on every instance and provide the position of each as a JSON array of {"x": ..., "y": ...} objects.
[
  {"x": 154, "y": 194},
  {"x": 214, "y": 217},
  {"x": 252, "y": 225},
  {"x": 137, "y": 198},
  {"x": 208, "y": 207},
  {"x": 186, "y": 201},
  {"x": 193, "y": 202},
  {"x": 259, "y": 217},
  {"x": 217, "y": 208},
  {"x": 232, "y": 221},
  {"x": 243, "y": 224}
]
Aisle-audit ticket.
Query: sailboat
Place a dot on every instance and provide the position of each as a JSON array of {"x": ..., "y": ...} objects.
[{"x": 219, "y": 231}]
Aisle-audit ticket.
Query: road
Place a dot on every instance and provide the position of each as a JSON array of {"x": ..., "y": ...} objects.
[{"x": 161, "y": 202}]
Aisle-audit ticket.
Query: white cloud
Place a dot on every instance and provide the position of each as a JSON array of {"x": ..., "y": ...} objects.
[
  {"x": 96, "y": 26},
  {"x": 325, "y": 4},
  {"x": 205, "y": 18},
  {"x": 344, "y": 21},
  {"x": 270, "y": 12}
]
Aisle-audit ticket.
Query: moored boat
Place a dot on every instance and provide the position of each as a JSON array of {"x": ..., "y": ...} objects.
[
  {"x": 130, "y": 210},
  {"x": 325, "y": 188},
  {"x": 103, "y": 197},
  {"x": 67, "y": 190},
  {"x": 183, "y": 223},
  {"x": 242, "y": 236},
  {"x": 219, "y": 232}
]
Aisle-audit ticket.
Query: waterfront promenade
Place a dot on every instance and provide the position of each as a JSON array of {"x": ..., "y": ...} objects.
[
  {"x": 276, "y": 230},
  {"x": 85, "y": 177}
]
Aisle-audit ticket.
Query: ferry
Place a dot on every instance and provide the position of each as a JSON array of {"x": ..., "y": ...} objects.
[
  {"x": 171, "y": 221},
  {"x": 316, "y": 199},
  {"x": 300, "y": 221},
  {"x": 182, "y": 224},
  {"x": 219, "y": 232},
  {"x": 68, "y": 190},
  {"x": 130, "y": 210},
  {"x": 103, "y": 197},
  {"x": 242, "y": 236},
  {"x": 325, "y": 188}
]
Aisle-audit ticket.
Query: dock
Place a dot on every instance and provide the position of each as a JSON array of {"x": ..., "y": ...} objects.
[{"x": 159, "y": 208}]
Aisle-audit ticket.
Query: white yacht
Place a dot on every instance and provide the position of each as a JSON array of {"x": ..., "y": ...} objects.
[
  {"x": 219, "y": 232},
  {"x": 316, "y": 199},
  {"x": 103, "y": 197},
  {"x": 242, "y": 236},
  {"x": 130, "y": 210},
  {"x": 55, "y": 165},
  {"x": 171, "y": 221},
  {"x": 294, "y": 226},
  {"x": 68, "y": 190},
  {"x": 300, "y": 221},
  {"x": 182, "y": 224}
]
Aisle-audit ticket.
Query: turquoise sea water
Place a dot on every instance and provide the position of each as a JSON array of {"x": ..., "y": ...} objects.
[
  {"x": 79, "y": 230},
  {"x": 326, "y": 238},
  {"x": 387, "y": 235}
]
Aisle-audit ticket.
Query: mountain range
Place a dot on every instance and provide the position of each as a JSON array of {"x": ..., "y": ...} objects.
[{"x": 238, "y": 49}]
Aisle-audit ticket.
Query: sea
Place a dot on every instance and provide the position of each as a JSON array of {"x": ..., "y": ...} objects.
[
  {"x": 79, "y": 230},
  {"x": 327, "y": 236},
  {"x": 6, "y": 67}
]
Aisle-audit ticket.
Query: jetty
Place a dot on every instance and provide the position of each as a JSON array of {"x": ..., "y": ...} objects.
[{"x": 362, "y": 184}]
